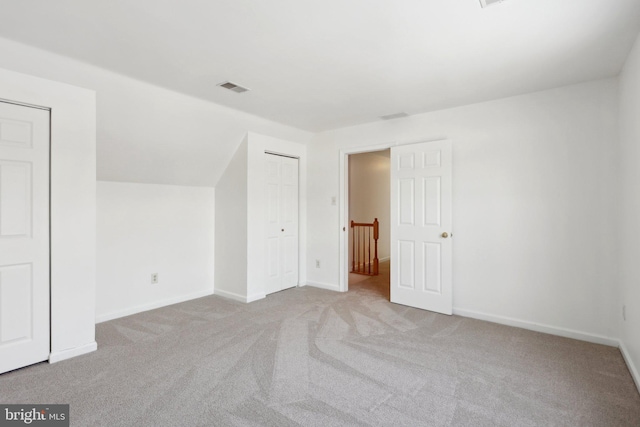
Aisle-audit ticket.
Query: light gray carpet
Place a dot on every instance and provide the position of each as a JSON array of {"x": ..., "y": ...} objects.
[{"x": 317, "y": 358}]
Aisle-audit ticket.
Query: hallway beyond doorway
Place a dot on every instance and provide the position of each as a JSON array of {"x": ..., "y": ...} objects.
[{"x": 378, "y": 285}]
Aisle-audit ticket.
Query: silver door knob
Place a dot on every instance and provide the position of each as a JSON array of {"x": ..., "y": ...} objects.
[{"x": 445, "y": 235}]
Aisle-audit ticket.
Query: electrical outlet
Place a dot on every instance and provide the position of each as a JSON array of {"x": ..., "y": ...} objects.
[
  {"x": 624, "y": 312},
  {"x": 317, "y": 263},
  {"x": 154, "y": 278}
]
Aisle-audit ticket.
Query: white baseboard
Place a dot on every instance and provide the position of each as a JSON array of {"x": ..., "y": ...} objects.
[
  {"x": 150, "y": 306},
  {"x": 328, "y": 286},
  {"x": 230, "y": 295},
  {"x": 255, "y": 297},
  {"x": 238, "y": 297},
  {"x": 632, "y": 367},
  {"x": 385, "y": 259},
  {"x": 57, "y": 356},
  {"x": 538, "y": 327}
]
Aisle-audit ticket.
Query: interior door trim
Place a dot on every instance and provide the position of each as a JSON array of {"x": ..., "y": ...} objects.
[
  {"x": 281, "y": 155},
  {"x": 24, "y": 104},
  {"x": 343, "y": 250},
  {"x": 50, "y": 250}
]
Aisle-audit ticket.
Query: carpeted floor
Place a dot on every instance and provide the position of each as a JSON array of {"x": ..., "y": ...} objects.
[
  {"x": 312, "y": 357},
  {"x": 373, "y": 285}
]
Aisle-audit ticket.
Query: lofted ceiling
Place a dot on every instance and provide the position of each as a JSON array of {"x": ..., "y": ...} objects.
[{"x": 319, "y": 65}]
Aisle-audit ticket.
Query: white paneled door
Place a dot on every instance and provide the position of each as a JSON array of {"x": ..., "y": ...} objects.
[
  {"x": 24, "y": 236},
  {"x": 282, "y": 222},
  {"x": 421, "y": 224}
]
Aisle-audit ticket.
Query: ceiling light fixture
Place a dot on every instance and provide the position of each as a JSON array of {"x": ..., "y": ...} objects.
[
  {"x": 394, "y": 116},
  {"x": 233, "y": 87},
  {"x": 487, "y": 3}
]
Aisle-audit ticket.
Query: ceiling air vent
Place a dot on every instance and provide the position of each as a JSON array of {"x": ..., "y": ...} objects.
[
  {"x": 487, "y": 3},
  {"x": 394, "y": 116},
  {"x": 233, "y": 87}
]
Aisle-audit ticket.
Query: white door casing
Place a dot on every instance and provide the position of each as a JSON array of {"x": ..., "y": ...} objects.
[
  {"x": 421, "y": 226},
  {"x": 282, "y": 222},
  {"x": 24, "y": 236}
]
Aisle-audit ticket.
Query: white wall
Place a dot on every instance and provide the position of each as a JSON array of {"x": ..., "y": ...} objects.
[
  {"x": 73, "y": 207},
  {"x": 369, "y": 180},
  {"x": 231, "y": 228},
  {"x": 144, "y": 229},
  {"x": 628, "y": 218},
  {"x": 145, "y": 133},
  {"x": 532, "y": 205}
]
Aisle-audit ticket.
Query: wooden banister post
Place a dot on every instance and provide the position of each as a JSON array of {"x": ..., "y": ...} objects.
[
  {"x": 361, "y": 236},
  {"x": 353, "y": 247},
  {"x": 376, "y": 226}
]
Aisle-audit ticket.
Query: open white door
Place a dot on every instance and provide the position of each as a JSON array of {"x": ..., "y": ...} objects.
[
  {"x": 421, "y": 224},
  {"x": 24, "y": 236}
]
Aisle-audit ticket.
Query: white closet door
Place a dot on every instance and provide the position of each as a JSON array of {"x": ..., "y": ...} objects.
[
  {"x": 272, "y": 195},
  {"x": 282, "y": 222},
  {"x": 421, "y": 224},
  {"x": 24, "y": 236}
]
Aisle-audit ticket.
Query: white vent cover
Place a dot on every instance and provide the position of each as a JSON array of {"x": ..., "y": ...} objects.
[
  {"x": 233, "y": 87},
  {"x": 394, "y": 116},
  {"x": 487, "y": 3}
]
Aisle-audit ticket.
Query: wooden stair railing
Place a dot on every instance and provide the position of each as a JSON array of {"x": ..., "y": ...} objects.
[{"x": 363, "y": 235}]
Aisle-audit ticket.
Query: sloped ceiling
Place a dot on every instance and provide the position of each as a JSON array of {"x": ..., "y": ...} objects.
[{"x": 319, "y": 65}]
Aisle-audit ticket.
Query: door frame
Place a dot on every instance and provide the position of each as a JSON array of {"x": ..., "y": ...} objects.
[
  {"x": 265, "y": 236},
  {"x": 257, "y": 145},
  {"x": 72, "y": 206},
  {"x": 344, "y": 199},
  {"x": 49, "y": 117}
]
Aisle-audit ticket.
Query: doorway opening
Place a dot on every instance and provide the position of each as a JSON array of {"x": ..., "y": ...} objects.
[
  {"x": 420, "y": 205},
  {"x": 368, "y": 207}
]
